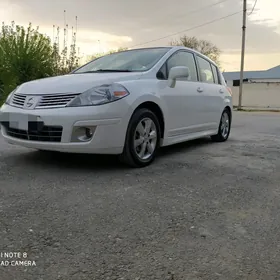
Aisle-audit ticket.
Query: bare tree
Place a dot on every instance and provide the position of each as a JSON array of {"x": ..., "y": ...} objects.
[{"x": 203, "y": 46}]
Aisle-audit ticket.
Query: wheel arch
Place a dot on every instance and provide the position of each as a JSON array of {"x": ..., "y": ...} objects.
[
  {"x": 155, "y": 108},
  {"x": 230, "y": 112}
]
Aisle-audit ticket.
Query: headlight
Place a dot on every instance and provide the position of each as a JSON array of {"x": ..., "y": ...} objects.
[
  {"x": 100, "y": 95},
  {"x": 9, "y": 98}
]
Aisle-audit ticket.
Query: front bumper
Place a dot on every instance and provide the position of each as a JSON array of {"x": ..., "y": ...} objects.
[{"x": 110, "y": 123}]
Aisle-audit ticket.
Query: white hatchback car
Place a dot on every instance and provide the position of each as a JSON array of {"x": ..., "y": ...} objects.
[{"x": 128, "y": 103}]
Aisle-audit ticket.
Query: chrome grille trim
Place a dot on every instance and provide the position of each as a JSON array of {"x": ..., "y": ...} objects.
[
  {"x": 55, "y": 100},
  {"x": 18, "y": 100},
  {"x": 46, "y": 101}
]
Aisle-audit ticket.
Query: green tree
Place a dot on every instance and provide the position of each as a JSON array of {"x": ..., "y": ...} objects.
[
  {"x": 25, "y": 55},
  {"x": 203, "y": 46}
]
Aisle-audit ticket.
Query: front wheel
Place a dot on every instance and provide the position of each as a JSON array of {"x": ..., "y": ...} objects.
[
  {"x": 142, "y": 139},
  {"x": 224, "y": 127}
]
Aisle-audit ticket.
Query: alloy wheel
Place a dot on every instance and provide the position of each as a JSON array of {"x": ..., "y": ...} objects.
[
  {"x": 145, "y": 138},
  {"x": 225, "y": 125}
]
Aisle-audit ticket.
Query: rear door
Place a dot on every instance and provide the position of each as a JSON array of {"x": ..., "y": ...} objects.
[
  {"x": 212, "y": 92},
  {"x": 223, "y": 91}
]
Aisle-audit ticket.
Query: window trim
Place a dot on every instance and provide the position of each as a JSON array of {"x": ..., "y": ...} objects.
[{"x": 166, "y": 67}]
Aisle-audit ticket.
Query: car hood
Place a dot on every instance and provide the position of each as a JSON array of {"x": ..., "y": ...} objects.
[{"x": 73, "y": 83}]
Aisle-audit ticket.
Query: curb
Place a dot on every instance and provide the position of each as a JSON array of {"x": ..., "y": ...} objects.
[{"x": 276, "y": 110}]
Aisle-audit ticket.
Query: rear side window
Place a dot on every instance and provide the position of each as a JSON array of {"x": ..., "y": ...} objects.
[
  {"x": 186, "y": 59},
  {"x": 215, "y": 73},
  {"x": 205, "y": 69}
]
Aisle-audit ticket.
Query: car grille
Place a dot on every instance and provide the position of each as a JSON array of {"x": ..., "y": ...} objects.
[
  {"x": 18, "y": 100},
  {"x": 55, "y": 100},
  {"x": 45, "y": 101},
  {"x": 46, "y": 134}
]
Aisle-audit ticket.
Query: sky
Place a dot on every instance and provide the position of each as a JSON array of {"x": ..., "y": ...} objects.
[{"x": 109, "y": 24}]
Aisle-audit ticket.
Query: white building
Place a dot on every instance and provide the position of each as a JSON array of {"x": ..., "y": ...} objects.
[{"x": 261, "y": 88}]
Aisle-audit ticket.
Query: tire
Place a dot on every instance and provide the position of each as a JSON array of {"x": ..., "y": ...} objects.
[
  {"x": 224, "y": 127},
  {"x": 141, "y": 145}
]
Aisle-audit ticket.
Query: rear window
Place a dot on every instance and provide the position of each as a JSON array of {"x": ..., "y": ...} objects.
[{"x": 215, "y": 73}]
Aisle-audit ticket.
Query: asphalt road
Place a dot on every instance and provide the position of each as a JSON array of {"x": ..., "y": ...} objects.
[{"x": 201, "y": 211}]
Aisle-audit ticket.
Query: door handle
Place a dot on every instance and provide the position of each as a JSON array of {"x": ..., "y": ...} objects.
[
  {"x": 221, "y": 91},
  {"x": 200, "y": 89}
]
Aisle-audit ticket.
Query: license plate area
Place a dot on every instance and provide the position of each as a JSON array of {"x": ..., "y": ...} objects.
[
  {"x": 30, "y": 127},
  {"x": 24, "y": 122}
]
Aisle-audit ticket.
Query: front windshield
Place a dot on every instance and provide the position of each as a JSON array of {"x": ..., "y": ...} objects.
[{"x": 128, "y": 61}]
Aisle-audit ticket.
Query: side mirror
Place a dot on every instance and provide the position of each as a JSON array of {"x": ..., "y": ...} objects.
[{"x": 177, "y": 73}]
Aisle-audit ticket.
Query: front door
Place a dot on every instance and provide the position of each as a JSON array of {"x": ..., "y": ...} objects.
[{"x": 184, "y": 101}]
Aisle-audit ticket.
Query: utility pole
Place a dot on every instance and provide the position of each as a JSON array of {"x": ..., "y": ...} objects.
[{"x": 242, "y": 53}]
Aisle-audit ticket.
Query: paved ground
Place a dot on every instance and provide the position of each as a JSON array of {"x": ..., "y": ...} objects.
[{"x": 201, "y": 211}]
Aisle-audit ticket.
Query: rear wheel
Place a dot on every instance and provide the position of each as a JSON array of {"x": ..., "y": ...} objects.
[
  {"x": 224, "y": 127},
  {"x": 142, "y": 139}
]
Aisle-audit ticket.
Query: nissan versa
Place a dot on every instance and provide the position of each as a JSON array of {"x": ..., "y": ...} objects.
[{"x": 128, "y": 103}]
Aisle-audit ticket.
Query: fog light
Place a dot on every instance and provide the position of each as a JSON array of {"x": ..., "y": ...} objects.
[
  {"x": 82, "y": 134},
  {"x": 89, "y": 133}
]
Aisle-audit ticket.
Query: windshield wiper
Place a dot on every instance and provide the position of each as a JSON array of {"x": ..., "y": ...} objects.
[{"x": 107, "y": 70}]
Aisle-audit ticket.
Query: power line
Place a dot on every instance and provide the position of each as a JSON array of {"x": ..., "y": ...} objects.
[
  {"x": 201, "y": 9},
  {"x": 189, "y": 29},
  {"x": 253, "y": 8}
]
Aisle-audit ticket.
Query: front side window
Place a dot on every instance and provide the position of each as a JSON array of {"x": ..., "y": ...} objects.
[
  {"x": 186, "y": 59},
  {"x": 127, "y": 61},
  {"x": 206, "y": 73}
]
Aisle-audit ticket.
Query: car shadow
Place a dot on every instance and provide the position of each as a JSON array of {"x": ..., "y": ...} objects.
[
  {"x": 184, "y": 147},
  {"x": 46, "y": 159},
  {"x": 96, "y": 162}
]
